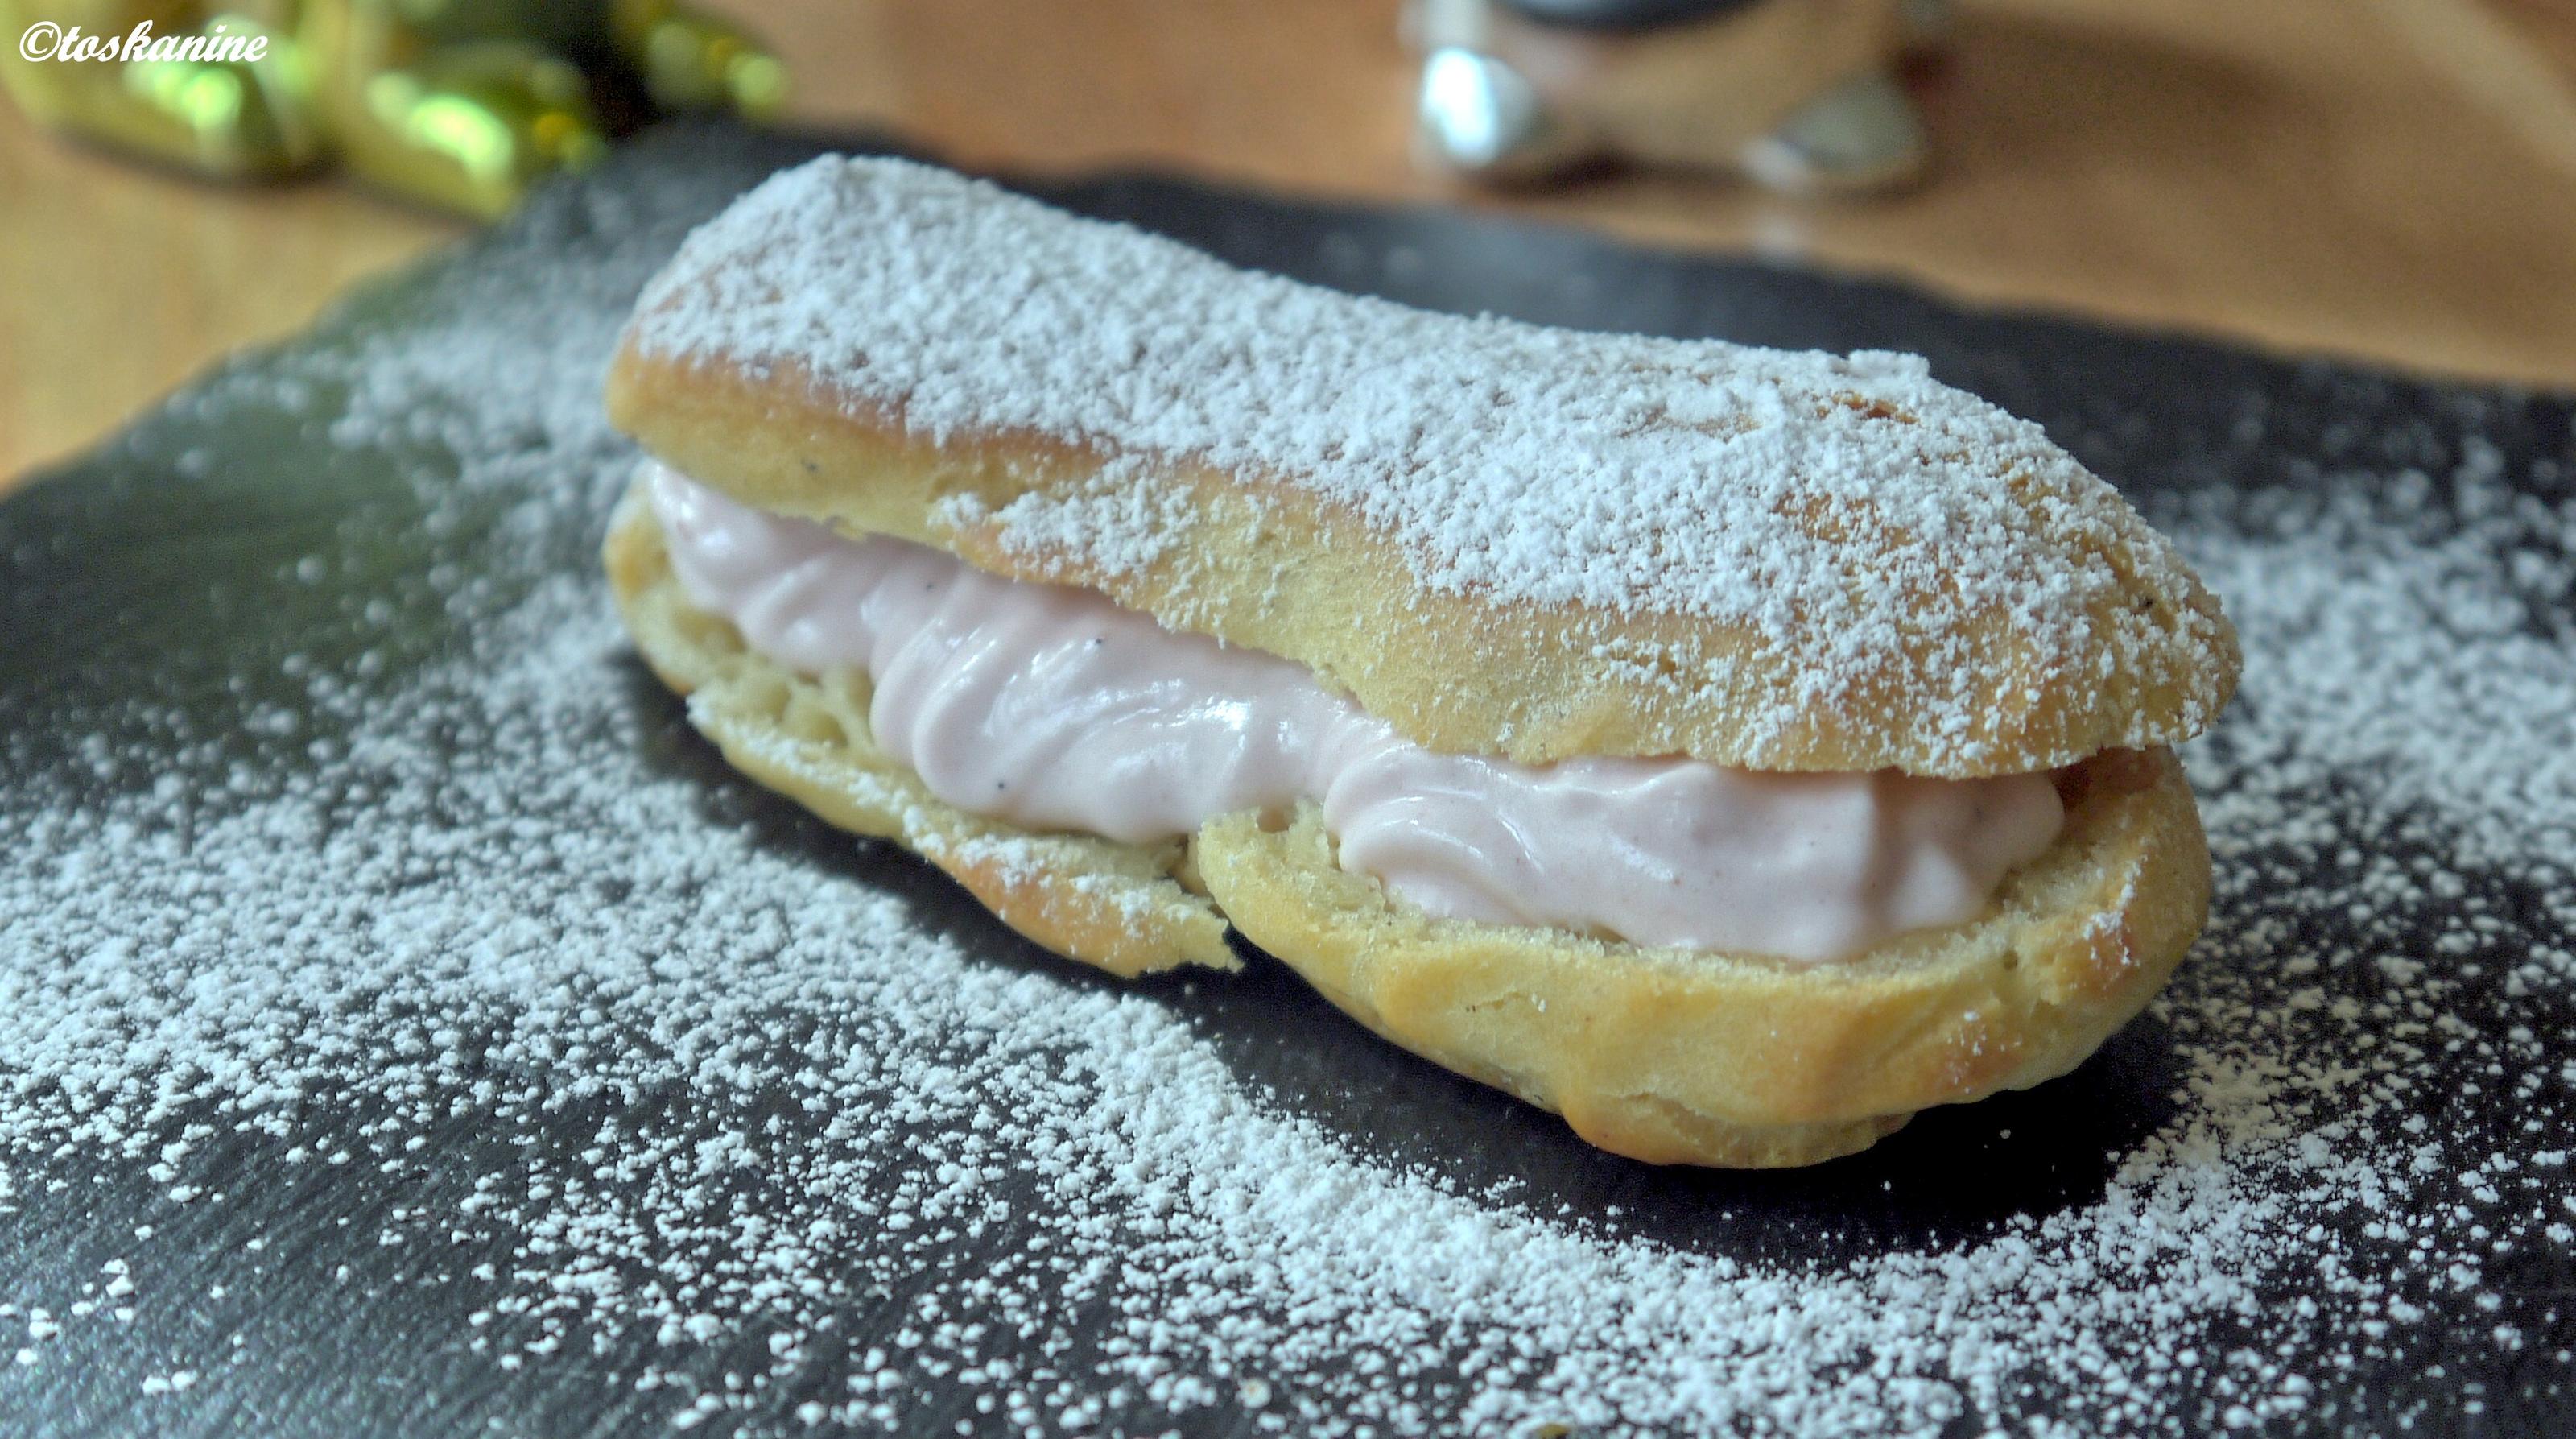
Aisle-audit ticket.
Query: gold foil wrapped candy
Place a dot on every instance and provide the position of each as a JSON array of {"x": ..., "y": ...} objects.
[{"x": 462, "y": 104}]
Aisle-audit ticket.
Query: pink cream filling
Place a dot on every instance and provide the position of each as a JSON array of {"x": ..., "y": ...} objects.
[{"x": 1055, "y": 709}]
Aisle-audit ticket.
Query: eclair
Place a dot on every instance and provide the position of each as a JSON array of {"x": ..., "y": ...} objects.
[{"x": 1735, "y": 751}]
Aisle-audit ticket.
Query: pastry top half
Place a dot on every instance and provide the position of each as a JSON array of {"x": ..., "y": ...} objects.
[{"x": 1501, "y": 538}]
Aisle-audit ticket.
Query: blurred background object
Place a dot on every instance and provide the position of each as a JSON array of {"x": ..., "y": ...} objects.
[
  {"x": 1799, "y": 94},
  {"x": 2388, "y": 179},
  {"x": 247, "y": 114},
  {"x": 460, "y": 104}
]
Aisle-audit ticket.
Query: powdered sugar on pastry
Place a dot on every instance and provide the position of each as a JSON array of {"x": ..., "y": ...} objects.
[
  {"x": 1054, "y": 709},
  {"x": 1840, "y": 536}
]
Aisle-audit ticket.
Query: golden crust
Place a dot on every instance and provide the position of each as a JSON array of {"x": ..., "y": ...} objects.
[
  {"x": 1272, "y": 567},
  {"x": 1683, "y": 1057},
  {"x": 1662, "y": 1055}
]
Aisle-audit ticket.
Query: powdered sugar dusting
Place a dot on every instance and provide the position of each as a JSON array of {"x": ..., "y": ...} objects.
[
  {"x": 1858, "y": 519},
  {"x": 666, "y": 1102}
]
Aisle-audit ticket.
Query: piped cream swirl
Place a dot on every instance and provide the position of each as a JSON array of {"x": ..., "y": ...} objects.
[{"x": 1053, "y": 708}]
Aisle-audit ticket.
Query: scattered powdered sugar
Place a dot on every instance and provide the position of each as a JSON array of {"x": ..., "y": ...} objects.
[
  {"x": 703, "y": 1111},
  {"x": 1859, "y": 521},
  {"x": 2440, "y": 656}
]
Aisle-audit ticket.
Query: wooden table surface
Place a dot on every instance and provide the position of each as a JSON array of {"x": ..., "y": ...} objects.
[{"x": 2392, "y": 179}]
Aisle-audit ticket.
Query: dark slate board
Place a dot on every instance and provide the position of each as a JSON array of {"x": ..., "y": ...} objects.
[{"x": 146, "y": 593}]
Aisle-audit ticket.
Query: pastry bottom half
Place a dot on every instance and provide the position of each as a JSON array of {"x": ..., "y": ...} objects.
[{"x": 1669, "y": 1056}]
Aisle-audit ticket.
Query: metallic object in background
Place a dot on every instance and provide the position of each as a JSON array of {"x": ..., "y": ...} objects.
[
  {"x": 463, "y": 104},
  {"x": 231, "y": 119},
  {"x": 1796, "y": 94}
]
